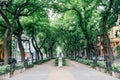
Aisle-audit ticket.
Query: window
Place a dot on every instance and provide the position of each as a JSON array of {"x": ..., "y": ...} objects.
[{"x": 116, "y": 33}]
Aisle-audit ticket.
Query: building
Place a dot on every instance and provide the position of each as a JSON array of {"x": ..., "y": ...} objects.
[
  {"x": 115, "y": 40},
  {"x": 114, "y": 35}
]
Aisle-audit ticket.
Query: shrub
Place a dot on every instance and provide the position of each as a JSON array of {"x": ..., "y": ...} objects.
[
  {"x": 116, "y": 67},
  {"x": 19, "y": 65},
  {"x": 42, "y": 61},
  {"x": 4, "y": 69},
  {"x": 63, "y": 61},
  {"x": 90, "y": 62},
  {"x": 101, "y": 64},
  {"x": 30, "y": 65},
  {"x": 56, "y": 61}
]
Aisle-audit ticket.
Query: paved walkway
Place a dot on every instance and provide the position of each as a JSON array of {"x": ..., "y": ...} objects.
[{"x": 73, "y": 71}]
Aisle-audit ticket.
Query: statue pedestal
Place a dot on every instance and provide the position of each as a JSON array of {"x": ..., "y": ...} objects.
[{"x": 60, "y": 62}]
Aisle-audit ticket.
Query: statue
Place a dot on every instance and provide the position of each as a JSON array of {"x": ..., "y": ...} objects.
[{"x": 60, "y": 60}]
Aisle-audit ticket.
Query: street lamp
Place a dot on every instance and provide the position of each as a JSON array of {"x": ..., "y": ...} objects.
[{"x": 3, "y": 4}]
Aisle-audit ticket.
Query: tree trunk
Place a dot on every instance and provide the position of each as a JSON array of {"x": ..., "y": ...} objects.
[
  {"x": 21, "y": 47},
  {"x": 66, "y": 53},
  {"x": 107, "y": 50},
  {"x": 41, "y": 54},
  {"x": 45, "y": 51},
  {"x": 51, "y": 52},
  {"x": 22, "y": 51},
  {"x": 37, "y": 52},
  {"x": 51, "y": 49},
  {"x": 38, "y": 49},
  {"x": 7, "y": 36},
  {"x": 5, "y": 47},
  {"x": 88, "y": 50},
  {"x": 30, "y": 50}
]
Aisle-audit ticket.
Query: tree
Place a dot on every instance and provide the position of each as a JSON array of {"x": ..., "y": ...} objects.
[
  {"x": 85, "y": 11},
  {"x": 108, "y": 18},
  {"x": 37, "y": 27},
  {"x": 11, "y": 16}
]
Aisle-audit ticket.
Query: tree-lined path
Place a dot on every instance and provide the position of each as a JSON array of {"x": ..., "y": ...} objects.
[
  {"x": 40, "y": 30},
  {"x": 73, "y": 71}
]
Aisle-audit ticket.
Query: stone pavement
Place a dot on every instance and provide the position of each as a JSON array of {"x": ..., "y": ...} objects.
[{"x": 73, "y": 71}]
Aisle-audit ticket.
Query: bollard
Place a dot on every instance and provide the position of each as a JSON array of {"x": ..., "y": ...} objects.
[
  {"x": 26, "y": 63},
  {"x": 95, "y": 61},
  {"x": 108, "y": 65}
]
